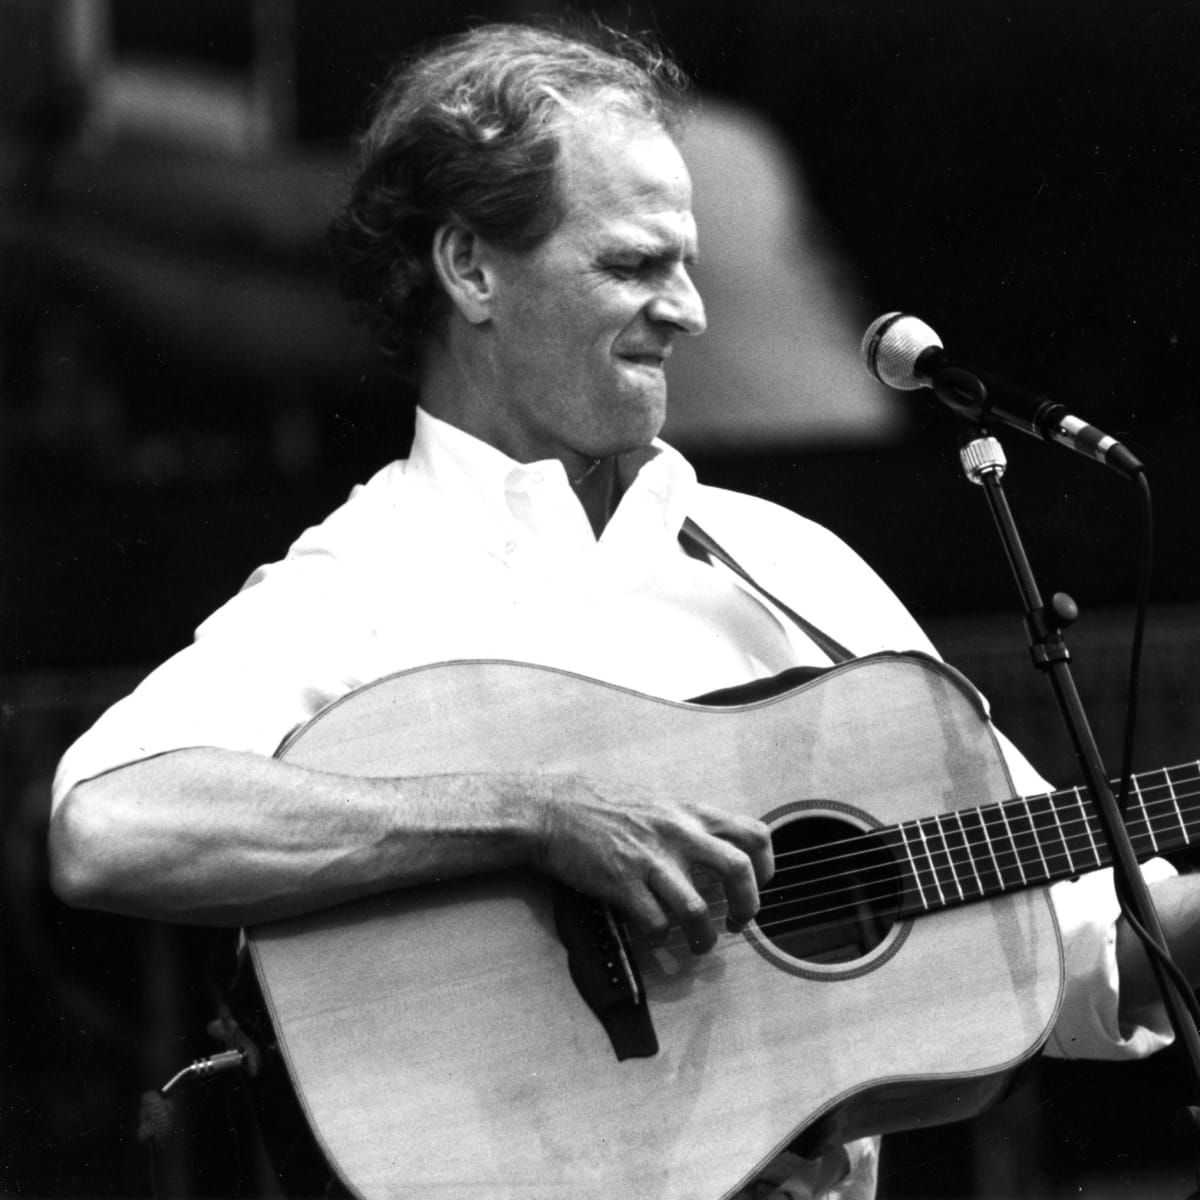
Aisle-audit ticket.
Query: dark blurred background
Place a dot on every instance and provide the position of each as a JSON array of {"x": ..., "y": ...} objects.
[{"x": 181, "y": 393}]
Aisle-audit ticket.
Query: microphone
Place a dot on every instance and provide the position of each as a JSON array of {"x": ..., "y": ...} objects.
[{"x": 904, "y": 353}]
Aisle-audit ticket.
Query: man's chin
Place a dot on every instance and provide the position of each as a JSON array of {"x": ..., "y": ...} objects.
[
  {"x": 629, "y": 418},
  {"x": 647, "y": 425}
]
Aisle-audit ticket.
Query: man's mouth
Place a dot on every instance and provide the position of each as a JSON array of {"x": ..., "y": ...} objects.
[{"x": 648, "y": 358}]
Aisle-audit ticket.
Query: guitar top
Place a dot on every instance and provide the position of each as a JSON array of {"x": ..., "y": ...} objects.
[{"x": 491, "y": 1037}]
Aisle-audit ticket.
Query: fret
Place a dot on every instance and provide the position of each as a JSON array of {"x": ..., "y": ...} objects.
[
  {"x": 932, "y": 864},
  {"x": 1175, "y": 778},
  {"x": 1192, "y": 777},
  {"x": 1140, "y": 800},
  {"x": 983, "y": 852},
  {"x": 1085, "y": 819},
  {"x": 1175, "y": 804},
  {"x": 1062, "y": 835},
  {"x": 965, "y": 856},
  {"x": 1012, "y": 841},
  {"x": 916, "y": 871},
  {"x": 911, "y": 901},
  {"x": 1003, "y": 851},
  {"x": 952, "y": 863},
  {"x": 1037, "y": 841},
  {"x": 1052, "y": 839}
]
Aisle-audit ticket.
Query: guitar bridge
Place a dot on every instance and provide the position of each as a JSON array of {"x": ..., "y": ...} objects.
[{"x": 604, "y": 972}]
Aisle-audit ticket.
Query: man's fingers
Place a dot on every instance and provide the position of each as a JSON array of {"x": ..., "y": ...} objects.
[
  {"x": 753, "y": 838},
  {"x": 737, "y": 851},
  {"x": 642, "y": 907},
  {"x": 738, "y": 877},
  {"x": 640, "y": 853},
  {"x": 678, "y": 895}
]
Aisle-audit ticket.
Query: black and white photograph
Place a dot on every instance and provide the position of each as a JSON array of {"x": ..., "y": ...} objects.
[{"x": 599, "y": 600}]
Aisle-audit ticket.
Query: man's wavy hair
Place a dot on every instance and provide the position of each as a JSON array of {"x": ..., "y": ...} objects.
[{"x": 470, "y": 131}]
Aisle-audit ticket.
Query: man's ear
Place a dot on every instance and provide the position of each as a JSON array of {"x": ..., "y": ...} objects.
[{"x": 464, "y": 265}]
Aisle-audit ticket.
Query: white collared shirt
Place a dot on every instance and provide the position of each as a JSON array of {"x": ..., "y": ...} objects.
[{"x": 460, "y": 552}]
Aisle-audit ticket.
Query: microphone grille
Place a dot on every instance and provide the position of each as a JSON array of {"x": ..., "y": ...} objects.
[{"x": 891, "y": 347}]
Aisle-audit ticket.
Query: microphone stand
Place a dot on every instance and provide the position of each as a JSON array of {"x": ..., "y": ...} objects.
[{"x": 984, "y": 463}]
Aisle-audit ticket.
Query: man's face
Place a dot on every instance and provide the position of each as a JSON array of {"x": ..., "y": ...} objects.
[{"x": 583, "y": 324}]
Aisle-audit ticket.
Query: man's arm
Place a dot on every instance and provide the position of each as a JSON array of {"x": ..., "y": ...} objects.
[
  {"x": 211, "y": 836},
  {"x": 1177, "y": 901}
]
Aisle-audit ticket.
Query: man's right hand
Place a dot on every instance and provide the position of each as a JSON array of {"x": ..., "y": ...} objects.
[{"x": 638, "y": 852}]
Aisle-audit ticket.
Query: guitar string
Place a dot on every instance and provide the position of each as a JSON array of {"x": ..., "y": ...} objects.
[
  {"x": 939, "y": 869},
  {"x": 1142, "y": 798},
  {"x": 675, "y": 938},
  {"x": 848, "y": 891},
  {"x": 830, "y": 918},
  {"x": 874, "y": 877},
  {"x": 831, "y": 915},
  {"x": 891, "y": 871},
  {"x": 888, "y": 872},
  {"x": 1012, "y": 865},
  {"x": 1077, "y": 825}
]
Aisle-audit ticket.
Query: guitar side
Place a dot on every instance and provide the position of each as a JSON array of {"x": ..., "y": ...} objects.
[{"x": 438, "y": 1045}]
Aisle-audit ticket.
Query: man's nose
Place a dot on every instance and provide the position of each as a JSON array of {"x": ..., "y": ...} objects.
[{"x": 679, "y": 304}]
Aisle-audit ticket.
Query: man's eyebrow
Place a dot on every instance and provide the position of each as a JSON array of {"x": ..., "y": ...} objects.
[{"x": 643, "y": 245}]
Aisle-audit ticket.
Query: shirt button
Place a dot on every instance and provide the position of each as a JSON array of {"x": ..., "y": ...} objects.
[
  {"x": 510, "y": 547},
  {"x": 537, "y": 477}
]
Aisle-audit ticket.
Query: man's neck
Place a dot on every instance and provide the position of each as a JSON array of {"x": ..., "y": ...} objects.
[{"x": 598, "y": 488}]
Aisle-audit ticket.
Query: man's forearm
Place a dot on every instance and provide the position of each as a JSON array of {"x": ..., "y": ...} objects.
[
  {"x": 210, "y": 836},
  {"x": 221, "y": 837}
]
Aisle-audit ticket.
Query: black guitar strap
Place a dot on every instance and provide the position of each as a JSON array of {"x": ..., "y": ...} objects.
[{"x": 701, "y": 545}]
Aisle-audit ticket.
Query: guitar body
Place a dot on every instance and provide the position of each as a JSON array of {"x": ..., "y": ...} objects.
[{"x": 439, "y": 1047}]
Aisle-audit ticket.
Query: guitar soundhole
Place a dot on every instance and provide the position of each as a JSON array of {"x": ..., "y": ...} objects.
[{"x": 835, "y": 895}]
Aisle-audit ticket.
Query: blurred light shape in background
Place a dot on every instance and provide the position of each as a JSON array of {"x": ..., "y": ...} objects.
[{"x": 779, "y": 365}]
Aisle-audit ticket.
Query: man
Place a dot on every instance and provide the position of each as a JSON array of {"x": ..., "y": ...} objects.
[{"x": 520, "y": 237}]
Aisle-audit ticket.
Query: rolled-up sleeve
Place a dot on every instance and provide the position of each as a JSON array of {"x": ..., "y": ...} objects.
[
  {"x": 1088, "y": 1025},
  {"x": 1087, "y": 909},
  {"x": 260, "y": 666}
]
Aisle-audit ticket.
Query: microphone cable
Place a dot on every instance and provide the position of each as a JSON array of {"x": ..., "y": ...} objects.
[{"x": 1154, "y": 948}]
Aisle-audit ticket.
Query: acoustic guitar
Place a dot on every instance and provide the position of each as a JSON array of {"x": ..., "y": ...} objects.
[{"x": 503, "y": 1037}]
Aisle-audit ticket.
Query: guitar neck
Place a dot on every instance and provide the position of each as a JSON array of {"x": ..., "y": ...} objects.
[{"x": 975, "y": 853}]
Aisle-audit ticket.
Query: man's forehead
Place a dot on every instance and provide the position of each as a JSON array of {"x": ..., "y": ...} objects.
[
  {"x": 604, "y": 138},
  {"x": 624, "y": 171}
]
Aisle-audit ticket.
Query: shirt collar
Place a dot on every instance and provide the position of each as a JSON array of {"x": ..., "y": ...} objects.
[{"x": 656, "y": 478}]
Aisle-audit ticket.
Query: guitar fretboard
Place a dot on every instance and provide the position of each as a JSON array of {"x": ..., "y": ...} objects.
[{"x": 974, "y": 853}]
